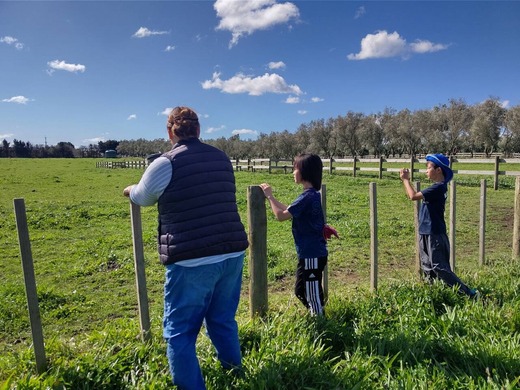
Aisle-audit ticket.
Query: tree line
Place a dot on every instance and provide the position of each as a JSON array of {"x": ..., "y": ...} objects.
[
  {"x": 61, "y": 150},
  {"x": 450, "y": 128}
]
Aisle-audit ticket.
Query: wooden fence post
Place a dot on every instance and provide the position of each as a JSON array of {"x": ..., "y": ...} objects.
[
  {"x": 412, "y": 160},
  {"x": 380, "y": 167},
  {"x": 326, "y": 269},
  {"x": 497, "y": 171},
  {"x": 257, "y": 220},
  {"x": 355, "y": 167},
  {"x": 453, "y": 197},
  {"x": 416, "y": 211},
  {"x": 140, "y": 274},
  {"x": 330, "y": 165},
  {"x": 516, "y": 224},
  {"x": 30, "y": 285},
  {"x": 482, "y": 225},
  {"x": 373, "y": 236}
]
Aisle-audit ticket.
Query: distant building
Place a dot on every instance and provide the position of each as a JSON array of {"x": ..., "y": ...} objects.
[{"x": 110, "y": 154}]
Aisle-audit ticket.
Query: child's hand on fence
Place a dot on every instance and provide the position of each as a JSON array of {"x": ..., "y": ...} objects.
[
  {"x": 268, "y": 191},
  {"x": 329, "y": 231}
]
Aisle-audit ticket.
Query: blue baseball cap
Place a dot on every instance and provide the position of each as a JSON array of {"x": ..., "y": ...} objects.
[{"x": 441, "y": 161}]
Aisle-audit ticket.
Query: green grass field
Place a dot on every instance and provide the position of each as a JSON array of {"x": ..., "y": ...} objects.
[{"x": 407, "y": 336}]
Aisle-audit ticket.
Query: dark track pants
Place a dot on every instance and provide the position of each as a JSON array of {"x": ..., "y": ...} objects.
[
  {"x": 434, "y": 251},
  {"x": 309, "y": 287}
]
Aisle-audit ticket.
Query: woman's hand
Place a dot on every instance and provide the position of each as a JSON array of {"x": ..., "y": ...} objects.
[{"x": 126, "y": 191}]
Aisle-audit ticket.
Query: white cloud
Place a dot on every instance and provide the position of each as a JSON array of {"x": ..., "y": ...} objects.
[
  {"x": 302, "y": 112},
  {"x": 9, "y": 40},
  {"x": 504, "y": 103},
  {"x": 12, "y": 41},
  {"x": 94, "y": 140},
  {"x": 385, "y": 45},
  {"x": 169, "y": 48},
  {"x": 360, "y": 12},
  {"x": 292, "y": 100},
  {"x": 426, "y": 47},
  {"x": 130, "y": 117},
  {"x": 244, "y": 132},
  {"x": 62, "y": 65},
  {"x": 246, "y": 17},
  {"x": 277, "y": 65},
  {"x": 144, "y": 32},
  {"x": 215, "y": 129},
  {"x": 380, "y": 45},
  {"x": 3, "y": 136},
  {"x": 17, "y": 100},
  {"x": 316, "y": 99},
  {"x": 166, "y": 111},
  {"x": 255, "y": 86}
]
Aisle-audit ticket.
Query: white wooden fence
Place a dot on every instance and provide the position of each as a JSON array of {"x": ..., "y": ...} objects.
[
  {"x": 139, "y": 164},
  {"x": 355, "y": 165}
]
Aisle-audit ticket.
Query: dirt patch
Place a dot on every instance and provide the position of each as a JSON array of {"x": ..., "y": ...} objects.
[
  {"x": 504, "y": 216},
  {"x": 345, "y": 276}
]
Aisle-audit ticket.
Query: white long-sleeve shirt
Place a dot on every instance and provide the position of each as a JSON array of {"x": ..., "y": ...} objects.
[{"x": 153, "y": 182}]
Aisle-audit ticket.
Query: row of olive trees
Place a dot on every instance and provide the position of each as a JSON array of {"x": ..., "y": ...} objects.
[
  {"x": 449, "y": 128},
  {"x": 142, "y": 147}
]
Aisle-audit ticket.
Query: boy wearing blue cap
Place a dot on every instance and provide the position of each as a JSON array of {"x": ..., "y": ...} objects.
[{"x": 434, "y": 247}]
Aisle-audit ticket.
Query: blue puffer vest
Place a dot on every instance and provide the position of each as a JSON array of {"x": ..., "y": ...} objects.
[{"x": 198, "y": 214}]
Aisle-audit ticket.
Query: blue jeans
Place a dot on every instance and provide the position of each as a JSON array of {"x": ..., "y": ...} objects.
[{"x": 193, "y": 295}]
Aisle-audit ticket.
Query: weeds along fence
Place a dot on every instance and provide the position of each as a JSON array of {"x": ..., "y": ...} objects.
[{"x": 257, "y": 235}]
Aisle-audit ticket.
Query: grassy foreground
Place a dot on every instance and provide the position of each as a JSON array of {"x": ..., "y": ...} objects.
[{"x": 407, "y": 336}]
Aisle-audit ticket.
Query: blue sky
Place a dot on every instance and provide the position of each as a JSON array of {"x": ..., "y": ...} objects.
[{"x": 82, "y": 72}]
